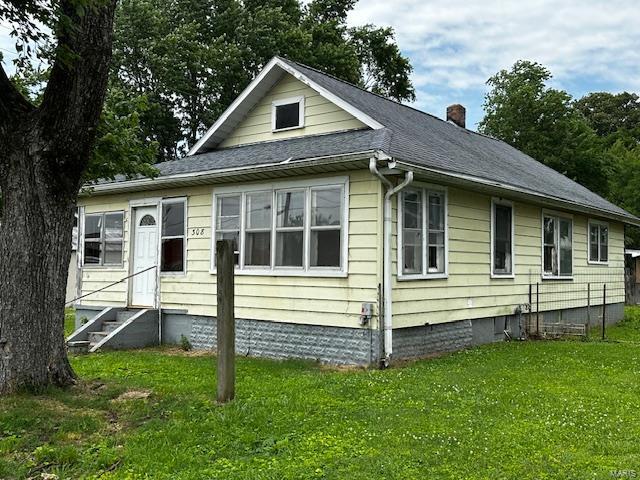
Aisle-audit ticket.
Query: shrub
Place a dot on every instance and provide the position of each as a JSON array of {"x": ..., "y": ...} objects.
[{"x": 185, "y": 344}]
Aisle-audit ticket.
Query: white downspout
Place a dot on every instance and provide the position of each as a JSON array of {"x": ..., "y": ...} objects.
[{"x": 386, "y": 253}]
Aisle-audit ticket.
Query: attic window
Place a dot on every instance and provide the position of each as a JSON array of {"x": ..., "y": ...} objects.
[{"x": 287, "y": 114}]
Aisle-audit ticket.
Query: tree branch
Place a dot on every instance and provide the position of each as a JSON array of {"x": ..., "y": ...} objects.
[
  {"x": 12, "y": 102},
  {"x": 75, "y": 93}
]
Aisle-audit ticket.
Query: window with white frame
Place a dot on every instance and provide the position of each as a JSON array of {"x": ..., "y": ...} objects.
[
  {"x": 501, "y": 238},
  {"x": 598, "y": 242},
  {"x": 422, "y": 229},
  {"x": 103, "y": 238},
  {"x": 287, "y": 113},
  {"x": 297, "y": 228},
  {"x": 228, "y": 221},
  {"x": 557, "y": 248},
  {"x": 173, "y": 235}
]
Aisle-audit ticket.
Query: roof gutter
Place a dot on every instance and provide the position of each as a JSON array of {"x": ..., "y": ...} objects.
[
  {"x": 516, "y": 192},
  {"x": 210, "y": 175},
  {"x": 386, "y": 253}
]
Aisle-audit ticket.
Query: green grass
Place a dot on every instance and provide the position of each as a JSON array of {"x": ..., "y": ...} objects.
[
  {"x": 531, "y": 410},
  {"x": 69, "y": 321}
]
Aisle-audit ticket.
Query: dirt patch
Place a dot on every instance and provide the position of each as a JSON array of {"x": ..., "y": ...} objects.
[
  {"x": 133, "y": 395},
  {"x": 177, "y": 351}
]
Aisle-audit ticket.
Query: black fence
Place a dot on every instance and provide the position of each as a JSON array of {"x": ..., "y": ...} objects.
[{"x": 593, "y": 296}]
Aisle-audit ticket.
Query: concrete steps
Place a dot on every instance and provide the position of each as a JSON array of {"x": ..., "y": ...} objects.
[
  {"x": 109, "y": 326},
  {"x": 116, "y": 329}
]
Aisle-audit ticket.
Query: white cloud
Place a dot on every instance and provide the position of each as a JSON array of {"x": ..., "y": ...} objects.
[{"x": 456, "y": 45}]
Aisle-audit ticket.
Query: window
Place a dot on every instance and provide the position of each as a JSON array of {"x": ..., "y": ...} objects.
[
  {"x": 228, "y": 221},
  {"x": 501, "y": 238},
  {"x": 103, "y": 238},
  {"x": 287, "y": 114},
  {"x": 598, "y": 242},
  {"x": 292, "y": 228},
  {"x": 172, "y": 255},
  {"x": 326, "y": 215},
  {"x": 422, "y": 230},
  {"x": 557, "y": 246},
  {"x": 257, "y": 252}
]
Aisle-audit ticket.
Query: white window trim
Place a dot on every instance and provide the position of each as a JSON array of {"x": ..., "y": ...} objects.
[
  {"x": 601, "y": 224},
  {"x": 558, "y": 215},
  {"x": 306, "y": 270},
  {"x": 102, "y": 265},
  {"x": 184, "y": 243},
  {"x": 423, "y": 276},
  {"x": 500, "y": 201},
  {"x": 286, "y": 101}
]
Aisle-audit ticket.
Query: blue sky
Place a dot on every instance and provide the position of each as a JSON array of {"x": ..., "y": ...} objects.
[{"x": 455, "y": 46}]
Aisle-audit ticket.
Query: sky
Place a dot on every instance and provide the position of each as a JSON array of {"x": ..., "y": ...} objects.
[{"x": 455, "y": 46}]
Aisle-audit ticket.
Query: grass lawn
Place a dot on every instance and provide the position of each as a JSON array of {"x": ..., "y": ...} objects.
[{"x": 532, "y": 410}]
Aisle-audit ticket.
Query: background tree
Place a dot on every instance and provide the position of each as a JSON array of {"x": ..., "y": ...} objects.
[
  {"x": 191, "y": 58},
  {"x": 594, "y": 140},
  {"x": 610, "y": 113},
  {"x": 45, "y": 150},
  {"x": 541, "y": 121}
]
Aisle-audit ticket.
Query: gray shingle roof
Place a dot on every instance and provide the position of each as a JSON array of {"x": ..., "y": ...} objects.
[
  {"x": 298, "y": 148},
  {"x": 423, "y": 139},
  {"x": 409, "y": 135}
]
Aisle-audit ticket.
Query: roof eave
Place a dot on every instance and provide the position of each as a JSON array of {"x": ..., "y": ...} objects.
[
  {"x": 514, "y": 192},
  {"x": 222, "y": 175}
]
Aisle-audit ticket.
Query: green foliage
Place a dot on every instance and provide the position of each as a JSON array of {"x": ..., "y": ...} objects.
[
  {"x": 608, "y": 113},
  {"x": 541, "y": 121},
  {"x": 191, "y": 58},
  {"x": 121, "y": 148},
  {"x": 185, "y": 344},
  {"x": 519, "y": 410}
]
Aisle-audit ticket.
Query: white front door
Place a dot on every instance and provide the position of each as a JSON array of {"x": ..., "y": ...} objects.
[{"x": 145, "y": 255}]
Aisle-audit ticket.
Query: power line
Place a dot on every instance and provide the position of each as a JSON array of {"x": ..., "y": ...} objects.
[{"x": 10, "y": 51}]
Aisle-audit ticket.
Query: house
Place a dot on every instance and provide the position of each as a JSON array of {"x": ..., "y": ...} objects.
[{"x": 364, "y": 230}]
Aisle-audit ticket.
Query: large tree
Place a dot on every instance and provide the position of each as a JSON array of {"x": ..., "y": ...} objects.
[
  {"x": 44, "y": 153},
  {"x": 191, "y": 58},
  {"x": 525, "y": 112}
]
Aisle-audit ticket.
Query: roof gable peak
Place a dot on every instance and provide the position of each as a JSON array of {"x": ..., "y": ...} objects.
[{"x": 264, "y": 81}]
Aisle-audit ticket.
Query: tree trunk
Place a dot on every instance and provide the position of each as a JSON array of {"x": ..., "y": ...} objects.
[
  {"x": 44, "y": 151},
  {"x": 35, "y": 241}
]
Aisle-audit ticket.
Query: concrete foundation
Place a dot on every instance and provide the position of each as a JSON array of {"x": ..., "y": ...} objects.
[{"x": 358, "y": 346}]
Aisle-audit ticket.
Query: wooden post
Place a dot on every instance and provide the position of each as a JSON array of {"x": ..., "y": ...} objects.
[
  {"x": 604, "y": 307},
  {"x": 226, "y": 333}
]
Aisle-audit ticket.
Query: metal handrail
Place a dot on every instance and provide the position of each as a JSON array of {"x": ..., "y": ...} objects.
[{"x": 111, "y": 284}]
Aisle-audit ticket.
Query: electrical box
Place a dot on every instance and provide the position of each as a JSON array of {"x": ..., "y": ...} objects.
[{"x": 366, "y": 313}]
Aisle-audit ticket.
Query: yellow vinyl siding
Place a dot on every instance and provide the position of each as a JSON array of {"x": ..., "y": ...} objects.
[
  {"x": 321, "y": 116},
  {"x": 304, "y": 299},
  {"x": 469, "y": 291}
]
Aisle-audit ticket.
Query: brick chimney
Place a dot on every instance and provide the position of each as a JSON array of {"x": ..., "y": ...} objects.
[{"x": 457, "y": 114}]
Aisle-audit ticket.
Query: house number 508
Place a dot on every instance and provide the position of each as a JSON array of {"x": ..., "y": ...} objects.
[{"x": 197, "y": 232}]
